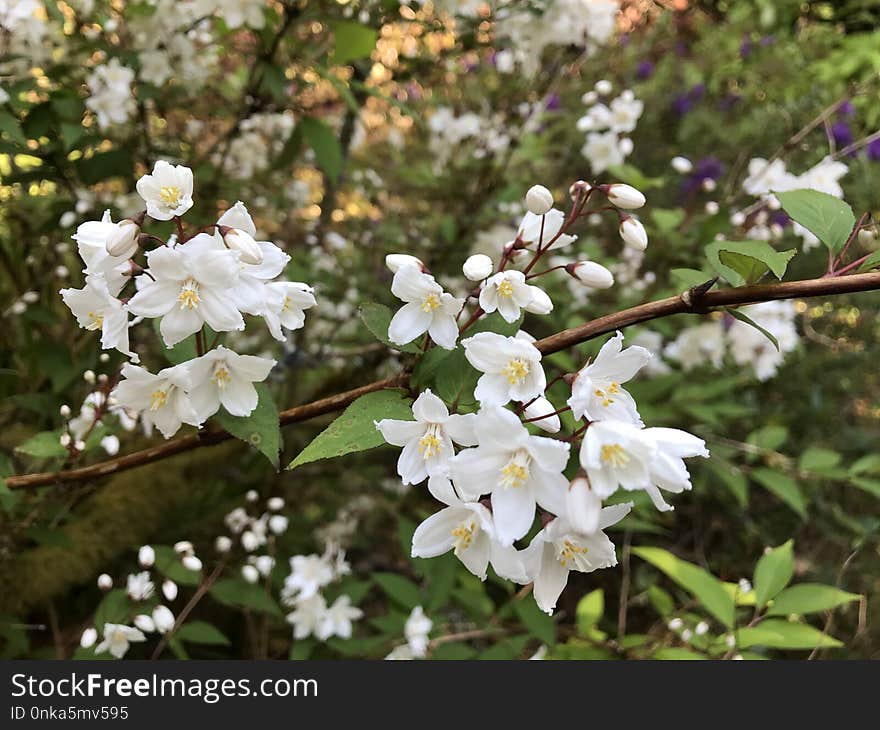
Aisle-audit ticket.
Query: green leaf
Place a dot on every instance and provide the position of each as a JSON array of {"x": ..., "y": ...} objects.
[
  {"x": 871, "y": 486},
  {"x": 675, "y": 653},
  {"x": 589, "y": 610},
  {"x": 784, "y": 487},
  {"x": 704, "y": 586},
  {"x": 826, "y": 217},
  {"x": 238, "y": 593},
  {"x": 43, "y": 445},
  {"x": 539, "y": 624},
  {"x": 352, "y": 41},
  {"x": 661, "y": 600},
  {"x": 201, "y": 632},
  {"x": 112, "y": 609},
  {"x": 778, "y": 634},
  {"x": 399, "y": 589},
  {"x": 453, "y": 650},
  {"x": 872, "y": 262},
  {"x": 11, "y": 126},
  {"x": 635, "y": 177},
  {"x": 49, "y": 537},
  {"x": 809, "y": 598},
  {"x": 773, "y": 572},
  {"x": 261, "y": 429},
  {"x": 745, "y": 262},
  {"x": 355, "y": 429},
  {"x": 769, "y": 437},
  {"x": 742, "y": 317},
  {"x": 687, "y": 278},
  {"x": 377, "y": 318},
  {"x": 322, "y": 139},
  {"x": 818, "y": 459}
]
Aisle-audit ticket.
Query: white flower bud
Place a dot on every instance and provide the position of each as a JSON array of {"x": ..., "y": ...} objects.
[
  {"x": 250, "y": 573},
  {"x": 592, "y": 274},
  {"x": 191, "y": 562},
  {"x": 242, "y": 241},
  {"x": 633, "y": 233},
  {"x": 223, "y": 544},
  {"x": 252, "y": 495},
  {"x": 603, "y": 87},
  {"x": 738, "y": 218},
  {"x": 110, "y": 444},
  {"x": 478, "y": 267},
  {"x": 88, "y": 638},
  {"x": 64, "y": 411},
  {"x": 542, "y": 407},
  {"x": 169, "y": 590},
  {"x": 104, "y": 357},
  {"x": 31, "y": 297},
  {"x": 146, "y": 556},
  {"x": 583, "y": 506},
  {"x": 625, "y": 196},
  {"x": 144, "y": 623},
  {"x": 867, "y": 236},
  {"x": 709, "y": 185},
  {"x": 183, "y": 547},
  {"x": 675, "y": 624},
  {"x": 124, "y": 239},
  {"x": 105, "y": 582},
  {"x": 730, "y": 641},
  {"x": 541, "y": 302},
  {"x": 395, "y": 260},
  {"x": 682, "y": 165},
  {"x": 590, "y": 98},
  {"x": 687, "y": 635},
  {"x": 264, "y": 564},
  {"x": 64, "y": 440},
  {"x": 701, "y": 628},
  {"x": 275, "y": 504},
  {"x": 62, "y": 272},
  {"x": 89, "y": 376},
  {"x": 712, "y": 207},
  {"x": 579, "y": 187},
  {"x": 539, "y": 199},
  {"x": 249, "y": 541},
  {"x": 163, "y": 618},
  {"x": 278, "y": 524},
  {"x": 80, "y": 445}
]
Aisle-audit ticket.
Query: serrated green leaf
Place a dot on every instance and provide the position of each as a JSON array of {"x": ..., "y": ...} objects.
[
  {"x": 809, "y": 598},
  {"x": 43, "y": 445},
  {"x": 745, "y": 262},
  {"x": 773, "y": 572},
  {"x": 828, "y": 218},
  {"x": 261, "y": 429},
  {"x": 355, "y": 429},
  {"x": 377, "y": 318},
  {"x": 784, "y": 487}
]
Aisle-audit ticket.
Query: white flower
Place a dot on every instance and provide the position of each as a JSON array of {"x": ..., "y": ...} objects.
[
  {"x": 275, "y": 504},
  {"x": 160, "y": 399},
  {"x": 633, "y": 233},
  {"x": 278, "y": 524},
  {"x": 146, "y": 556},
  {"x": 105, "y": 582},
  {"x": 516, "y": 468},
  {"x": 88, "y": 638},
  {"x": 238, "y": 13},
  {"x": 582, "y": 506},
  {"x": 286, "y": 302},
  {"x": 766, "y": 176},
  {"x": 824, "y": 177},
  {"x": 428, "y": 309},
  {"x": 477, "y": 267},
  {"x": 336, "y": 620},
  {"x": 416, "y": 630},
  {"x": 596, "y": 393},
  {"x": 543, "y": 407},
  {"x": 250, "y": 573},
  {"x": 167, "y": 191},
  {"x": 239, "y": 240},
  {"x": 511, "y": 368},
  {"x": 188, "y": 286},
  {"x": 616, "y": 453},
  {"x": 222, "y": 376},
  {"x": 110, "y": 444},
  {"x": 191, "y": 562},
  {"x": 400, "y": 653},
  {"x": 117, "y": 639},
  {"x": 96, "y": 309},
  {"x": 169, "y": 589},
  {"x": 139, "y": 586},
  {"x": 308, "y": 574},
  {"x": 604, "y": 150},
  {"x": 748, "y": 346},
  {"x": 427, "y": 441},
  {"x": 558, "y": 549},
  {"x": 625, "y": 112},
  {"x": 91, "y": 239},
  {"x": 535, "y": 230},
  {"x": 697, "y": 345},
  {"x": 625, "y": 196},
  {"x": 508, "y": 292},
  {"x": 308, "y": 615},
  {"x": 667, "y": 469},
  {"x": 539, "y": 200},
  {"x": 163, "y": 619},
  {"x": 468, "y": 529},
  {"x": 222, "y": 544},
  {"x": 592, "y": 274}
]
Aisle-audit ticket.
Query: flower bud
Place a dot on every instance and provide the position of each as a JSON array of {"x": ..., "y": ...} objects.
[
  {"x": 146, "y": 556},
  {"x": 88, "y": 638},
  {"x": 184, "y": 547},
  {"x": 625, "y": 196},
  {"x": 275, "y": 504},
  {"x": 712, "y": 207},
  {"x": 191, "y": 562},
  {"x": 682, "y": 165},
  {"x": 249, "y": 541},
  {"x": 591, "y": 274},
  {"x": 583, "y": 506},
  {"x": 603, "y": 87},
  {"x": 633, "y": 233},
  {"x": 581, "y": 187},
  {"x": 144, "y": 623},
  {"x": 278, "y": 524},
  {"x": 123, "y": 242},
  {"x": 541, "y": 302},
  {"x": 243, "y": 242},
  {"x": 223, "y": 544},
  {"x": 250, "y": 573},
  {"x": 541, "y": 407},
  {"x": 539, "y": 199},
  {"x": 163, "y": 618},
  {"x": 105, "y": 582},
  {"x": 478, "y": 267},
  {"x": 252, "y": 495},
  {"x": 64, "y": 411},
  {"x": 169, "y": 590},
  {"x": 867, "y": 236},
  {"x": 395, "y": 260},
  {"x": 591, "y": 97},
  {"x": 64, "y": 440},
  {"x": 738, "y": 218}
]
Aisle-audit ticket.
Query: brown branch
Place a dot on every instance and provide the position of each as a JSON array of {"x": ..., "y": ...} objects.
[{"x": 694, "y": 301}]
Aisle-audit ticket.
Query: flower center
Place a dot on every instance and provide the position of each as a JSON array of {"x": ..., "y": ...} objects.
[
  {"x": 221, "y": 376},
  {"x": 158, "y": 398},
  {"x": 287, "y": 302},
  {"x": 615, "y": 455},
  {"x": 569, "y": 551},
  {"x": 170, "y": 195},
  {"x": 605, "y": 395},
  {"x": 505, "y": 289},
  {"x": 430, "y": 303},
  {"x": 189, "y": 295},
  {"x": 97, "y": 321},
  {"x": 516, "y": 471},
  {"x": 430, "y": 444},
  {"x": 517, "y": 370},
  {"x": 119, "y": 637},
  {"x": 464, "y": 535}
]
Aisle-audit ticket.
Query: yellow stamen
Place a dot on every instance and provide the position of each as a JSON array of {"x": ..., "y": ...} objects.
[
  {"x": 517, "y": 370},
  {"x": 189, "y": 295},
  {"x": 170, "y": 195},
  {"x": 97, "y": 321},
  {"x": 430, "y": 303},
  {"x": 570, "y": 551},
  {"x": 221, "y": 377},
  {"x": 505, "y": 289},
  {"x": 516, "y": 472},
  {"x": 464, "y": 535},
  {"x": 615, "y": 455},
  {"x": 158, "y": 399},
  {"x": 287, "y": 302},
  {"x": 431, "y": 443}
]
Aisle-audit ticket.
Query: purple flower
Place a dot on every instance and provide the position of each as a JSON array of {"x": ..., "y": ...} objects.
[
  {"x": 846, "y": 109},
  {"x": 842, "y": 134},
  {"x": 780, "y": 218},
  {"x": 644, "y": 70},
  {"x": 745, "y": 47},
  {"x": 708, "y": 168},
  {"x": 873, "y": 150},
  {"x": 553, "y": 103},
  {"x": 727, "y": 102},
  {"x": 683, "y": 103}
]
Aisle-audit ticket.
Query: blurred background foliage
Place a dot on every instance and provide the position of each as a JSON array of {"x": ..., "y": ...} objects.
[{"x": 361, "y": 175}]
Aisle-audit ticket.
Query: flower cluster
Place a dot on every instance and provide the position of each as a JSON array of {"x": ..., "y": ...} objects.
[
  {"x": 111, "y": 98},
  {"x": 255, "y": 534},
  {"x": 189, "y": 283},
  {"x": 606, "y": 126},
  {"x": 493, "y": 474}
]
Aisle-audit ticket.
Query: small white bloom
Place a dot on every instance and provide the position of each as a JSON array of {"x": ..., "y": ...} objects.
[
  {"x": 96, "y": 309},
  {"x": 117, "y": 639},
  {"x": 183, "y": 547},
  {"x": 592, "y": 274},
  {"x": 146, "y": 556},
  {"x": 278, "y": 524},
  {"x": 308, "y": 574},
  {"x": 163, "y": 619},
  {"x": 603, "y": 87},
  {"x": 667, "y": 469},
  {"x": 615, "y": 454},
  {"x": 88, "y": 638},
  {"x": 539, "y": 230},
  {"x": 250, "y": 573},
  {"x": 222, "y": 544},
  {"x": 427, "y": 309},
  {"x": 337, "y": 619},
  {"x": 308, "y": 615},
  {"x": 110, "y": 444},
  {"x": 681, "y": 165},
  {"x": 625, "y": 196},
  {"x": 167, "y": 191},
  {"x": 416, "y": 630},
  {"x": 191, "y": 562},
  {"x": 478, "y": 267},
  {"x": 250, "y": 541},
  {"x": 286, "y": 302},
  {"x": 507, "y": 292},
  {"x": 145, "y": 623},
  {"x": 633, "y": 233},
  {"x": 223, "y": 377},
  {"x": 123, "y": 242},
  {"x": 160, "y": 399},
  {"x": 511, "y": 368},
  {"x": 701, "y": 628},
  {"x": 105, "y": 582},
  {"x": 276, "y": 504},
  {"x": 243, "y": 242},
  {"x": 582, "y": 506},
  {"x": 139, "y": 586},
  {"x": 539, "y": 200},
  {"x": 169, "y": 589},
  {"x": 263, "y": 564}
]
